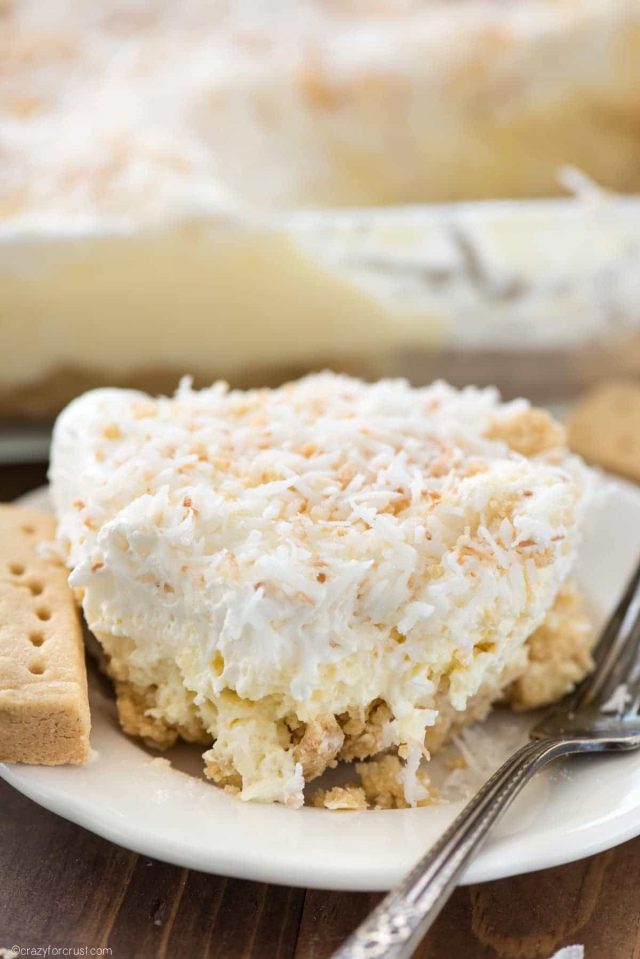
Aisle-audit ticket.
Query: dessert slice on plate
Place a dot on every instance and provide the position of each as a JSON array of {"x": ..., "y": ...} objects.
[{"x": 328, "y": 570}]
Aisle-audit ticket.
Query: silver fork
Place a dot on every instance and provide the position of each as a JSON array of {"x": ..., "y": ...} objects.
[{"x": 603, "y": 713}]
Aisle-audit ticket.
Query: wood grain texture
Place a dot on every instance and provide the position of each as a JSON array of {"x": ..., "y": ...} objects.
[
  {"x": 18, "y": 479},
  {"x": 62, "y": 886}
]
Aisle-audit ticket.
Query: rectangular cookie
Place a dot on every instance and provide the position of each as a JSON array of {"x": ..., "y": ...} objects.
[
  {"x": 604, "y": 427},
  {"x": 44, "y": 704}
]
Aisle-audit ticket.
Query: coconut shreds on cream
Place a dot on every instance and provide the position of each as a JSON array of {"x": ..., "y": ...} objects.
[{"x": 265, "y": 561}]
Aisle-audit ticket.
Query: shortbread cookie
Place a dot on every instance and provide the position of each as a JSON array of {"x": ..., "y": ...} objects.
[
  {"x": 44, "y": 704},
  {"x": 605, "y": 427}
]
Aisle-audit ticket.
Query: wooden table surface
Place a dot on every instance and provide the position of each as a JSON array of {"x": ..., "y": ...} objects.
[{"x": 60, "y": 886}]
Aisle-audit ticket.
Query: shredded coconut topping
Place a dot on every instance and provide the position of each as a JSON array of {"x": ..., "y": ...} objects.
[{"x": 276, "y": 557}]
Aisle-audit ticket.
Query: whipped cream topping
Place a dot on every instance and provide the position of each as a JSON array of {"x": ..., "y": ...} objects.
[{"x": 309, "y": 550}]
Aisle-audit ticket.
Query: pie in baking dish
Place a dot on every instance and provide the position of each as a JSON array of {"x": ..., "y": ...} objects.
[
  {"x": 141, "y": 144},
  {"x": 193, "y": 107}
]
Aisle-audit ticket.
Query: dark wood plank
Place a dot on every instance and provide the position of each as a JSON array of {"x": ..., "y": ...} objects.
[
  {"x": 327, "y": 920},
  {"x": 17, "y": 479},
  {"x": 146, "y": 913},
  {"x": 525, "y": 917},
  {"x": 65, "y": 885},
  {"x": 595, "y": 902},
  {"x": 178, "y": 912}
]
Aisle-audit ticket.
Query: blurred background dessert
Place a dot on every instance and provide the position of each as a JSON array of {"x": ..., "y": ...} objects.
[{"x": 251, "y": 191}]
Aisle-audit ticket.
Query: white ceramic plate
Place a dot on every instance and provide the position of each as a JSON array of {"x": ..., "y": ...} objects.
[{"x": 576, "y": 809}]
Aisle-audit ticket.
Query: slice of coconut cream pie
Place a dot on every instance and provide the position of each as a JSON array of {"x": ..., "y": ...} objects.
[{"x": 326, "y": 570}]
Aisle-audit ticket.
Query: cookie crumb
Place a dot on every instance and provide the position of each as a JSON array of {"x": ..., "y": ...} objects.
[
  {"x": 342, "y": 798},
  {"x": 383, "y": 783}
]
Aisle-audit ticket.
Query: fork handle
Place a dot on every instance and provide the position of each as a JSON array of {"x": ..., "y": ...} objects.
[{"x": 396, "y": 926}]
